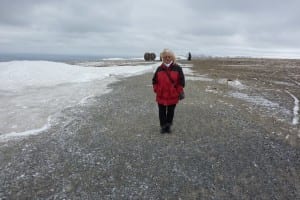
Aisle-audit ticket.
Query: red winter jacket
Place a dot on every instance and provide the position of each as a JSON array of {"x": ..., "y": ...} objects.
[{"x": 167, "y": 93}]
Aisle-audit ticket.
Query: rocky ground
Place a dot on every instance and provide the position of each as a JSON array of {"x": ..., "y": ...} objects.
[{"x": 221, "y": 147}]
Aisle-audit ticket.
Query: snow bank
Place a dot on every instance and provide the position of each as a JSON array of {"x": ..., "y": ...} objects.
[
  {"x": 18, "y": 75},
  {"x": 32, "y": 92}
]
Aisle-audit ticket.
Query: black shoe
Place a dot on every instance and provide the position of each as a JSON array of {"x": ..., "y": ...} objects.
[
  {"x": 168, "y": 129},
  {"x": 163, "y": 130}
]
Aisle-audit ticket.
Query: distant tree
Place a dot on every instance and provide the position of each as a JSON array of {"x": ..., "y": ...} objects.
[
  {"x": 149, "y": 56},
  {"x": 152, "y": 56}
]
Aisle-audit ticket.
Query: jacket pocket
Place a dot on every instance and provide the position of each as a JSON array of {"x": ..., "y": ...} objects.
[
  {"x": 159, "y": 91},
  {"x": 174, "y": 93}
]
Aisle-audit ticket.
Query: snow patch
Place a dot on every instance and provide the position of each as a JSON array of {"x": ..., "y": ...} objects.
[
  {"x": 237, "y": 84},
  {"x": 283, "y": 83},
  {"x": 233, "y": 83},
  {"x": 198, "y": 78},
  {"x": 258, "y": 100},
  {"x": 272, "y": 107},
  {"x": 295, "y": 109},
  {"x": 211, "y": 90}
]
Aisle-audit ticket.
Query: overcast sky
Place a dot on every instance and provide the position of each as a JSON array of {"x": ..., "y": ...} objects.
[{"x": 132, "y": 27}]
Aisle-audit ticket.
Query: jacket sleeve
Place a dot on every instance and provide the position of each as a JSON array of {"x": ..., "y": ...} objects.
[
  {"x": 181, "y": 78},
  {"x": 154, "y": 81},
  {"x": 181, "y": 81}
]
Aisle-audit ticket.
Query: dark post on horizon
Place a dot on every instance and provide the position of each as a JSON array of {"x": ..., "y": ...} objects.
[{"x": 189, "y": 56}]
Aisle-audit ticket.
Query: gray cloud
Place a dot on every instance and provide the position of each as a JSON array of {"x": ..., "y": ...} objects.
[{"x": 233, "y": 27}]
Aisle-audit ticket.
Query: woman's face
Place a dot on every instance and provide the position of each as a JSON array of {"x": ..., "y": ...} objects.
[{"x": 167, "y": 58}]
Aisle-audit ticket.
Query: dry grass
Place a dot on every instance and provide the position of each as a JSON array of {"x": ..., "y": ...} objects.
[{"x": 271, "y": 79}]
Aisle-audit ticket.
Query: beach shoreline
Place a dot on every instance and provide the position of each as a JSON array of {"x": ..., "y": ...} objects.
[{"x": 112, "y": 148}]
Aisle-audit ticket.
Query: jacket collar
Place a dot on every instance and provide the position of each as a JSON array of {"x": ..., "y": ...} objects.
[{"x": 165, "y": 67}]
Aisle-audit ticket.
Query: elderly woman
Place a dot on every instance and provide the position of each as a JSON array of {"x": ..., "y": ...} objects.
[{"x": 168, "y": 83}]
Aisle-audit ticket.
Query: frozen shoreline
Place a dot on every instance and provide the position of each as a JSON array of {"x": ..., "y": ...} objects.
[
  {"x": 33, "y": 92},
  {"x": 41, "y": 109}
]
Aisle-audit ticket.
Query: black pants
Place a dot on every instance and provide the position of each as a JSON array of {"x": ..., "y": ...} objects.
[{"x": 166, "y": 114}]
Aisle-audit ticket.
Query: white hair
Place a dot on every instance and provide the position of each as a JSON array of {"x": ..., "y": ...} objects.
[{"x": 168, "y": 52}]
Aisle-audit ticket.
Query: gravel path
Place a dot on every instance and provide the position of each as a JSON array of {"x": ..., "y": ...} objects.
[{"x": 111, "y": 148}]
